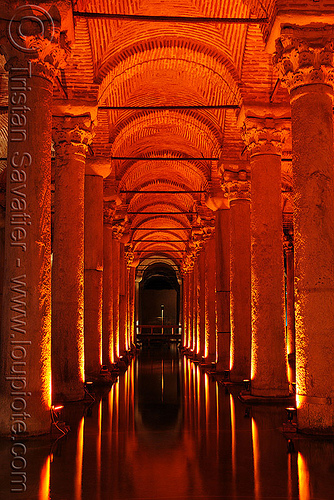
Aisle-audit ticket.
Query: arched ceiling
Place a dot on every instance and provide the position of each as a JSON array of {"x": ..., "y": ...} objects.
[
  {"x": 155, "y": 68},
  {"x": 175, "y": 88}
]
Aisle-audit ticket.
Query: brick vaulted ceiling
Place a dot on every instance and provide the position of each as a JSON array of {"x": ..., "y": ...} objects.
[{"x": 138, "y": 63}]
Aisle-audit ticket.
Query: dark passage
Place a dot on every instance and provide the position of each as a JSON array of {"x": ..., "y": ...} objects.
[{"x": 167, "y": 431}]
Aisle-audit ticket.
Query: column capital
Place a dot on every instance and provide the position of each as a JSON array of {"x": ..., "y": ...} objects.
[
  {"x": 41, "y": 53},
  {"x": 109, "y": 209},
  {"x": 304, "y": 55},
  {"x": 236, "y": 185},
  {"x": 265, "y": 135},
  {"x": 72, "y": 134}
]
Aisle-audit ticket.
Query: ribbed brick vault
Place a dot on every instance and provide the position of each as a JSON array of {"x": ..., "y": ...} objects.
[
  {"x": 127, "y": 63},
  {"x": 136, "y": 63}
]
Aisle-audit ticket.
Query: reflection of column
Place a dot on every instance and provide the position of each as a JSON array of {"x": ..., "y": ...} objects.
[
  {"x": 290, "y": 307},
  {"x": 222, "y": 235},
  {"x": 269, "y": 368},
  {"x": 72, "y": 136},
  {"x": 26, "y": 313},
  {"x": 265, "y": 421},
  {"x": 210, "y": 293},
  {"x": 238, "y": 189},
  {"x": 93, "y": 273},
  {"x": 305, "y": 59}
]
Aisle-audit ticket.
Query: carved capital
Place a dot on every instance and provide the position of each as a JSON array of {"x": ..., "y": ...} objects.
[
  {"x": 265, "y": 135},
  {"x": 72, "y": 134},
  {"x": 109, "y": 209},
  {"x": 129, "y": 255},
  {"x": 304, "y": 55},
  {"x": 236, "y": 185},
  {"x": 120, "y": 228},
  {"x": 35, "y": 41}
]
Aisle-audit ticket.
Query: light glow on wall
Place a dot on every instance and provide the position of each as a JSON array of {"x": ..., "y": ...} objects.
[{"x": 46, "y": 366}]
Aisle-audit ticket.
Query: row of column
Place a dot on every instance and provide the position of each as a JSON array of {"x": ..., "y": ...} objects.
[
  {"x": 306, "y": 68},
  {"x": 47, "y": 357}
]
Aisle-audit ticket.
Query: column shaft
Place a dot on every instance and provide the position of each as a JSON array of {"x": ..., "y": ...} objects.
[
  {"x": 240, "y": 363},
  {"x": 26, "y": 313},
  {"x": 313, "y": 180},
  {"x": 222, "y": 233},
  {"x": 108, "y": 338},
  {"x": 93, "y": 274},
  {"x": 269, "y": 369},
  {"x": 210, "y": 290},
  {"x": 71, "y": 136}
]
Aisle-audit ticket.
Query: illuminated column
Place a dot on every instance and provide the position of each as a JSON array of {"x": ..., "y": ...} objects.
[
  {"x": 108, "y": 337},
  {"x": 290, "y": 307},
  {"x": 93, "y": 272},
  {"x": 185, "y": 311},
  {"x": 264, "y": 137},
  {"x": 191, "y": 310},
  {"x": 116, "y": 249},
  {"x": 202, "y": 301},
  {"x": 237, "y": 186},
  {"x": 26, "y": 313},
  {"x": 305, "y": 60},
  {"x": 72, "y": 136},
  {"x": 222, "y": 232},
  {"x": 122, "y": 302},
  {"x": 210, "y": 293}
]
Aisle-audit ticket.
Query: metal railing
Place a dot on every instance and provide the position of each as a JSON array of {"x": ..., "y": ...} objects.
[{"x": 158, "y": 329}]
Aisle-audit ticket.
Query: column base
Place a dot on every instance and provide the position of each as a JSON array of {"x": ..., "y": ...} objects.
[{"x": 248, "y": 398}]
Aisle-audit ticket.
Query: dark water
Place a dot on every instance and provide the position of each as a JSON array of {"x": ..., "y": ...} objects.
[{"x": 167, "y": 431}]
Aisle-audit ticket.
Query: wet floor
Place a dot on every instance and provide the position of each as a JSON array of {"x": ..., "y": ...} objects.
[{"x": 168, "y": 431}]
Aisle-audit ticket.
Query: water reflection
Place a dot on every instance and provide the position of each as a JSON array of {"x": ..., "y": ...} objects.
[{"x": 166, "y": 430}]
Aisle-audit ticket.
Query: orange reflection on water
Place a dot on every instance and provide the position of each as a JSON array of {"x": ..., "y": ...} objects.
[
  {"x": 79, "y": 460},
  {"x": 303, "y": 478},
  {"x": 232, "y": 407},
  {"x": 256, "y": 459},
  {"x": 44, "y": 487}
]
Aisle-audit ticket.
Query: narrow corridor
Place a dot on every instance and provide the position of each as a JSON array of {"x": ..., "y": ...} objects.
[{"x": 166, "y": 430}]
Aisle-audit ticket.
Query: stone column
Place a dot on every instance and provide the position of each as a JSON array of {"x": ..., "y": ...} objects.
[
  {"x": 210, "y": 293},
  {"x": 26, "y": 316},
  {"x": 122, "y": 303},
  {"x": 290, "y": 307},
  {"x": 202, "y": 301},
  {"x": 108, "y": 340},
  {"x": 72, "y": 134},
  {"x": 93, "y": 272},
  {"x": 222, "y": 232},
  {"x": 237, "y": 187},
  {"x": 116, "y": 247},
  {"x": 185, "y": 309},
  {"x": 305, "y": 60},
  {"x": 269, "y": 361}
]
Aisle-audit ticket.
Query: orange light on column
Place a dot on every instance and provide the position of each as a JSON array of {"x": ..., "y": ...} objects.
[
  {"x": 46, "y": 367},
  {"x": 81, "y": 354}
]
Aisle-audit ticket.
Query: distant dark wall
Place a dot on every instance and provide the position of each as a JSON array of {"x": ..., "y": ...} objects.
[{"x": 150, "y": 302}]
